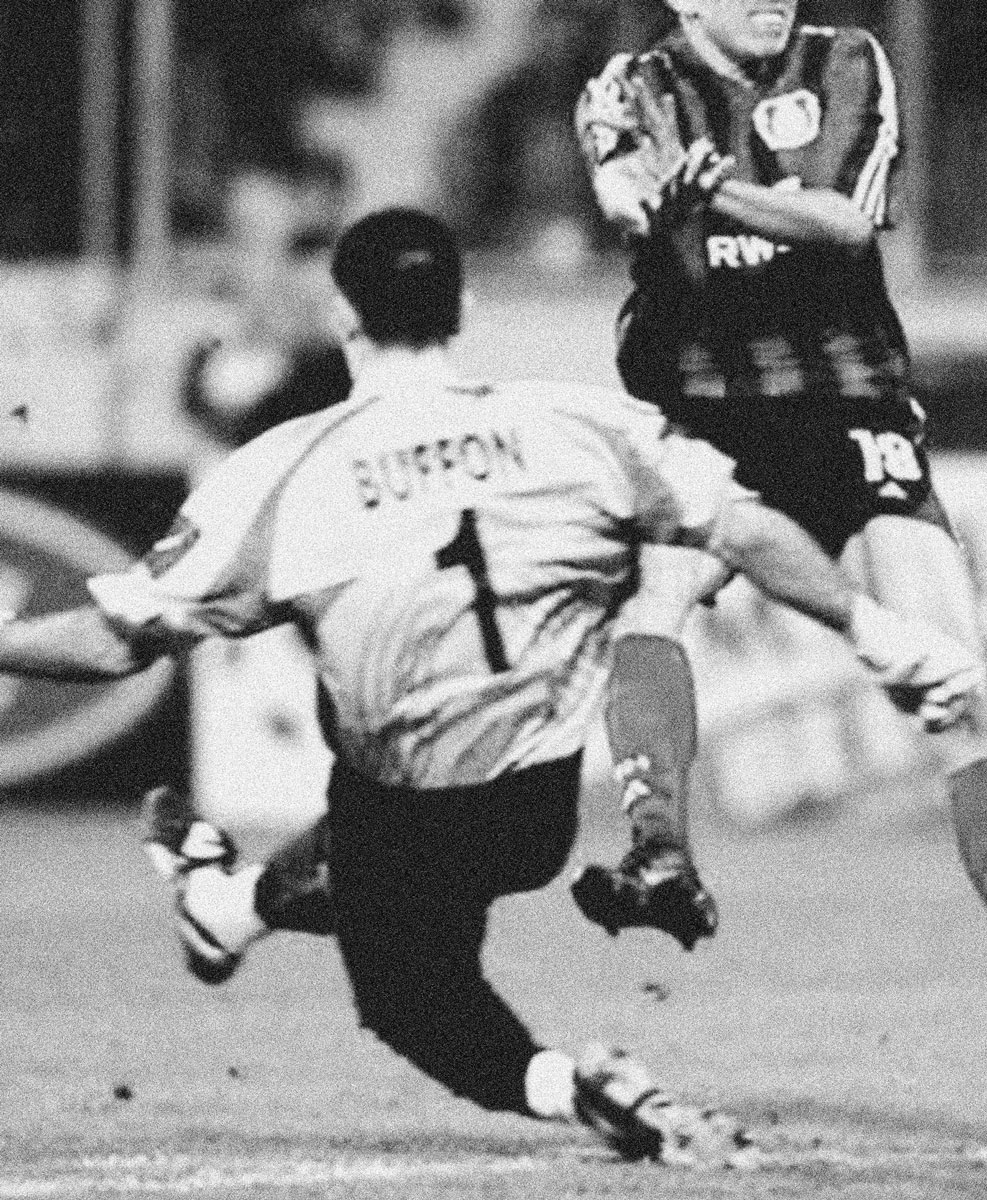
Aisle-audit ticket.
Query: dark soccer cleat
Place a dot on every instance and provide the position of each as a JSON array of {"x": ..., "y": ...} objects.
[
  {"x": 657, "y": 891},
  {"x": 616, "y": 1097}
]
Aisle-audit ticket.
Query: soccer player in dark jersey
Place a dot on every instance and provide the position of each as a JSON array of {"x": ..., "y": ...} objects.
[{"x": 751, "y": 161}]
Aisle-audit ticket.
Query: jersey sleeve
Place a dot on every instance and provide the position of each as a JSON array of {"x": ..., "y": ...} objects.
[
  {"x": 681, "y": 496},
  {"x": 209, "y": 573},
  {"x": 620, "y": 160},
  {"x": 676, "y": 486},
  {"x": 605, "y": 121},
  {"x": 863, "y": 141}
]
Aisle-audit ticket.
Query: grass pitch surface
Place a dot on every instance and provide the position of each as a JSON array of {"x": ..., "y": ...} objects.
[{"x": 840, "y": 1011}]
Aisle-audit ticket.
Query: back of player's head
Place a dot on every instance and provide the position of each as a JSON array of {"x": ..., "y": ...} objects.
[{"x": 401, "y": 271}]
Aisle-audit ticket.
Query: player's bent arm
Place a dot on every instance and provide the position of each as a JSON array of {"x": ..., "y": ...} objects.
[
  {"x": 76, "y": 646},
  {"x": 631, "y": 168},
  {"x": 812, "y": 215}
]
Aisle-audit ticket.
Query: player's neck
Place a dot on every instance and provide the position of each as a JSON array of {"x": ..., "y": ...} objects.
[
  {"x": 401, "y": 360},
  {"x": 728, "y": 68}
]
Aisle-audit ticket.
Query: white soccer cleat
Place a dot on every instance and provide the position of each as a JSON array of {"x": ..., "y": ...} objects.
[
  {"x": 217, "y": 920},
  {"x": 216, "y": 915},
  {"x": 616, "y": 1096}
]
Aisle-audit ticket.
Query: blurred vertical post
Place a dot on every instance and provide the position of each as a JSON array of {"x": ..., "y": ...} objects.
[
  {"x": 99, "y": 186},
  {"x": 152, "y": 38},
  {"x": 149, "y": 243},
  {"x": 910, "y": 46},
  {"x": 100, "y": 86}
]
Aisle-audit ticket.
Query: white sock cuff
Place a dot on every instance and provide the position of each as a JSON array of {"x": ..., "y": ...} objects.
[
  {"x": 244, "y": 887},
  {"x": 549, "y": 1086}
]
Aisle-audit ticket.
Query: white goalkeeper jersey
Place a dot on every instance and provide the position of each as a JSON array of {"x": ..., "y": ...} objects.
[{"x": 453, "y": 554}]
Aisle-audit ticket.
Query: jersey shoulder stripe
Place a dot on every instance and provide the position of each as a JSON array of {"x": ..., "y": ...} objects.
[
  {"x": 864, "y": 63},
  {"x": 871, "y": 191},
  {"x": 241, "y": 482},
  {"x": 859, "y": 81},
  {"x": 232, "y": 499}
]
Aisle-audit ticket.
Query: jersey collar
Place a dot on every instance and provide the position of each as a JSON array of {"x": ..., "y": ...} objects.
[{"x": 399, "y": 370}]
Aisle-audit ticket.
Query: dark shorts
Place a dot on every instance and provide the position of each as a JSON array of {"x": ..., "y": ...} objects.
[
  {"x": 412, "y": 876},
  {"x": 830, "y": 466},
  {"x": 470, "y": 844}
]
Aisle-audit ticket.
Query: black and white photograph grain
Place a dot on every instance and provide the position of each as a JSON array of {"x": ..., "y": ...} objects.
[{"x": 493, "y": 600}]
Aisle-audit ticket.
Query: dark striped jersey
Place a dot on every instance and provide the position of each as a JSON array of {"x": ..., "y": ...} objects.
[{"x": 719, "y": 311}]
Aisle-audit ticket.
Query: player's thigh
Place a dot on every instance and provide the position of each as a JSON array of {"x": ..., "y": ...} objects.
[
  {"x": 407, "y": 902},
  {"x": 533, "y": 827},
  {"x": 672, "y": 580},
  {"x": 834, "y": 466},
  {"x": 917, "y": 568}
]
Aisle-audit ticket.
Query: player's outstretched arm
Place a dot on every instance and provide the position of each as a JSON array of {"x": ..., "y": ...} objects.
[
  {"x": 923, "y": 669},
  {"x": 76, "y": 646},
  {"x": 783, "y": 561}
]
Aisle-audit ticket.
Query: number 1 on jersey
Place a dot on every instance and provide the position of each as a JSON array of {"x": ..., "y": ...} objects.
[{"x": 466, "y": 551}]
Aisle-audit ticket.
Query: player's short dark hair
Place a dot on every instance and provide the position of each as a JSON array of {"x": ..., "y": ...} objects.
[{"x": 401, "y": 270}]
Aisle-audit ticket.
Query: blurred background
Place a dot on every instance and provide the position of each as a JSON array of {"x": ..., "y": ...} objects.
[{"x": 174, "y": 174}]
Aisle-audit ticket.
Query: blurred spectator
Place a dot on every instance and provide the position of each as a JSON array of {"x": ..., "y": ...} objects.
[
  {"x": 515, "y": 173},
  {"x": 257, "y": 61},
  {"x": 268, "y": 357},
  {"x": 266, "y": 354},
  {"x": 271, "y": 367},
  {"x": 342, "y": 43},
  {"x": 248, "y": 75},
  {"x": 449, "y": 17}
]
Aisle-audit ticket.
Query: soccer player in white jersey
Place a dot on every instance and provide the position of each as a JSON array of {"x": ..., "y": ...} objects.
[{"x": 456, "y": 555}]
